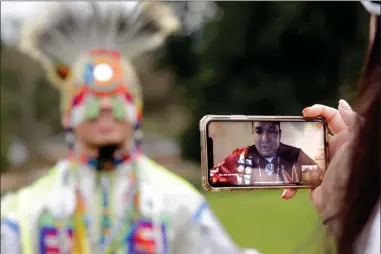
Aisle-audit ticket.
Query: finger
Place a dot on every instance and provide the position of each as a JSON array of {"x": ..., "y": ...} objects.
[
  {"x": 288, "y": 193},
  {"x": 352, "y": 119},
  {"x": 310, "y": 193},
  {"x": 346, "y": 113},
  {"x": 335, "y": 142},
  {"x": 335, "y": 122},
  {"x": 316, "y": 199}
]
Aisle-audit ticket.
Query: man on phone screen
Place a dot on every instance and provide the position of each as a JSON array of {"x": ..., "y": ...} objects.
[{"x": 267, "y": 161}]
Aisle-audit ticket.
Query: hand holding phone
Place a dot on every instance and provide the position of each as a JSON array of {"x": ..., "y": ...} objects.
[
  {"x": 340, "y": 122},
  {"x": 258, "y": 152}
]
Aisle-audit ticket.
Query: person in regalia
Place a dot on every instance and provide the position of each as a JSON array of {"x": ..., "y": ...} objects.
[
  {"x": 267, "y": 161},
  {"x": 106, "y": 196}
]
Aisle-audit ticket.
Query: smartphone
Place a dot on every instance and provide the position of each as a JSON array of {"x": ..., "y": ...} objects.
[{"x": 262, "y": 152}]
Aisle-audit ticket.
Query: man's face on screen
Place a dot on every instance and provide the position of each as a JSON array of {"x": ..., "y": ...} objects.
[{"x": 266, "y": 138}]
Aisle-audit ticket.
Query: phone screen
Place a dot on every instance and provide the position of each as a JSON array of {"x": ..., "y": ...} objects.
[{"x": 266, "y": 153}]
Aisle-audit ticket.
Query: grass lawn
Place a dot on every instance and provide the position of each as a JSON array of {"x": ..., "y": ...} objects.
[{"x": 262, "y": 220}]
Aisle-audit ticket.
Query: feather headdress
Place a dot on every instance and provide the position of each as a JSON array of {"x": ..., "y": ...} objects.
[
  {"x": 63, "y": 32},
  {"x": 90, "y": 44}
]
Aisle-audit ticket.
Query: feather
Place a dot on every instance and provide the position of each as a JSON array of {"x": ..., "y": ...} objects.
[{"x": 63, "y": 31}]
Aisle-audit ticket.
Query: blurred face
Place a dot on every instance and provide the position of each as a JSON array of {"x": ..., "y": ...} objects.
[
  {"x": 105, "y": 129},
  {"x": 101, "y": 102},
  {"x": 266, "y": 138}
]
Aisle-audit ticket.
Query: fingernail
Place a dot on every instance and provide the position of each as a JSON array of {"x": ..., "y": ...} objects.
[
  {"x": 284, "y": 195},
  {"x": 345, "y": 105},
  {"x": 305, "y": 110}
]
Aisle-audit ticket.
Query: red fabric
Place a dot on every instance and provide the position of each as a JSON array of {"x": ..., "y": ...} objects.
[{"x": 229, "y": 166}]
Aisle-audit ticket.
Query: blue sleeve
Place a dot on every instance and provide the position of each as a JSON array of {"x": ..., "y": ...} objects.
[{"x": 10, "y": 237}]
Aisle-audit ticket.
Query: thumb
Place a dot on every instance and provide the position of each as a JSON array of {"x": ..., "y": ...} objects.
[
  {"x": 346, "y": 113},
  {"x": 317, "y": 199},
  {"x": 349, "y": 117}
]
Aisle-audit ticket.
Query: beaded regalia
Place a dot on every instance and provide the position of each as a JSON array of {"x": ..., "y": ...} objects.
[
  {"x": 87, "y": 48},
  {"x": 131, "y": 205}
]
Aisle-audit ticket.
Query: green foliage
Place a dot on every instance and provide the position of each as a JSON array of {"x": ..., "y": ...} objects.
[
  {"x": 271, "y": 58},
  {"x": 3, "y": 158}
]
